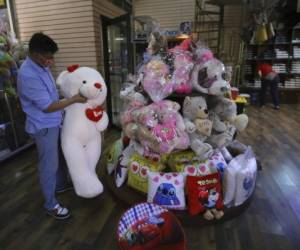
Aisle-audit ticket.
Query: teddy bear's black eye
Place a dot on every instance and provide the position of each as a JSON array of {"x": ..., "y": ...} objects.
[{"x": 84, "y": 82}]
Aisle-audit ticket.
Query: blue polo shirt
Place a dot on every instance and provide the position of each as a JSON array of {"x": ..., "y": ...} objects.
[{"x": 37, "y": 90}]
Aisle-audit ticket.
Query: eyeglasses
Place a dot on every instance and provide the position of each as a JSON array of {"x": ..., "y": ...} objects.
[{"x": 46, "y": 59}]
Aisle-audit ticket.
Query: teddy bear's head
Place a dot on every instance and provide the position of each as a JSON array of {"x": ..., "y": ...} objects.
[
  {"x": 226, "y": 110},
  {"x": 195, "y": 107},
  {"x": 84, "y": 80}
]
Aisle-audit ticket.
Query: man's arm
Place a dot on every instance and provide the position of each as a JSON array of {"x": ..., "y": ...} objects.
[
  {"x": 55, "y": 106},
  {"x": 31, "y": 88},
  {"x": 259, "y": 73}
]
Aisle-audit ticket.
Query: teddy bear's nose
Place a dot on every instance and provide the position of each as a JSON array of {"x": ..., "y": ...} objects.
[
  {"x": 98, "y": 85},
  {"x": 205, "y": 111}
]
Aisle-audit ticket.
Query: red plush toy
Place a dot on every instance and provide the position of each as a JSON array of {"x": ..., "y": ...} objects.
[{"x": 205, "y": 196}]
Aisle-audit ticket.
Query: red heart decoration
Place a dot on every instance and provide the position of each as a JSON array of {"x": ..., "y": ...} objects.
[
  {"x": 177, "y": 182},
  {"x": 94, "y": 114},
  {"x": 191, "y": 170},
  {"x": 134, "y": 167},
  {"x": 202, "y": 168},
  {"x": 156, "y": 179},
  {"x": 168, "y": 177},
  {"x": 155, "y": 158},
  {"x": 144, "y": 172}
]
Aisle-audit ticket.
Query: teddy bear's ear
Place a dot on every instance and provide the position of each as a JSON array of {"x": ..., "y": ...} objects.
[
  {"x": 187, "y": 100},
  {"x": 60, "y": 78},
  {"x": 202, "y": 75}
]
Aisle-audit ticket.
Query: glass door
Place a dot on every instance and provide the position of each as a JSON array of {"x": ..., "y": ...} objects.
[{"x": 117, "y": 60}]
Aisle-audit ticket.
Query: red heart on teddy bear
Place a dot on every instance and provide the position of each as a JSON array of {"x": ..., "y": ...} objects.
[{"x": 94, "y": 114}]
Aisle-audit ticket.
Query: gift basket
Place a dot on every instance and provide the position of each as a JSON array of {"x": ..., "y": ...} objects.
[{"x": 181, "y": 153}]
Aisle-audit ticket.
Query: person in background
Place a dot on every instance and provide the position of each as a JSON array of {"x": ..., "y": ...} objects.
[
  {"x": 40, "y": 102},
  {"x": 269, "y": 78}
]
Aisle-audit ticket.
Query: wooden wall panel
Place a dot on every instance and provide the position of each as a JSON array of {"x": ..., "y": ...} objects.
[
  {"x": 68, "y": 22},
  {"x": 74, "y": 24},
  {"x": 169, "y": 13},
  {"x": 233, "y": 21}
]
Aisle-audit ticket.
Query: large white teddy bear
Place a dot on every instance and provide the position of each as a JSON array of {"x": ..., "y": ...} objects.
[{"x": 82, "y": 127}]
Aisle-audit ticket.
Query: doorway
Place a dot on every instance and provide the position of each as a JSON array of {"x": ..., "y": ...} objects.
[{"x": 118, "y": 58}]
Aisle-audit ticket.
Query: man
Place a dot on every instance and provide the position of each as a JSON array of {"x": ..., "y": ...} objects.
[
  {"x": 268, "y": 78},
  {"x": 40, "y": 102}
]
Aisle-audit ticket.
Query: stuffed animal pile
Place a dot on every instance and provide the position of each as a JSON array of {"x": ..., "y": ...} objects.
[
  {"x": 8, "y": 66},
  {"x": 178, "y": 151}
]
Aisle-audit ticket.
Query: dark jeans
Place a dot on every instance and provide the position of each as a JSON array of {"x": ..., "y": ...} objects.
[{"x": 273, "y": 84}]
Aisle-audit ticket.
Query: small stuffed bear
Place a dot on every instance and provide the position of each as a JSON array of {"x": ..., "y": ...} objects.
[
  {"x": 158, "y": 127},
  {"x": 223, "y": 113},
  {"x": 197, "y": 125},
  {"x": 82, "y": 127},
  {"x": 132, "y": 100}
]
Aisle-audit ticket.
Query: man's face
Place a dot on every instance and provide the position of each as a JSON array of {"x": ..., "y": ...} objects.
[{"x": 44, "y": 59}]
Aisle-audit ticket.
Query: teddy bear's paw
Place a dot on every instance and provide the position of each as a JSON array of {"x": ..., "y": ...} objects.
[
  {"x": 218, "y": 125},
  {"x": 221, "y": 140},
  {"x": 202, "y": 150},
  {"x": 208, "y": 215},
  {"x": 241, "y": 122},
  {"x": 103, "y": 123},
  {"x": 90, "y": 191},
  {"x": 203, "y": 126},
  {"x": 218, "y": 214},
  {"x": 189, "y": 126}
]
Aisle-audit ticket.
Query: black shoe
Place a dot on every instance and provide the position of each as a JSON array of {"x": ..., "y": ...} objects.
[
  {"x": 59, "y": 212},
  {"x": 276, "y": 107},
  {"x": 68, "y": 187}
]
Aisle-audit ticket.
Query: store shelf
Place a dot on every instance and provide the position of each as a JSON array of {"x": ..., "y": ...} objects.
[
  {"x": 12, "y": 153},
  {"x": 284, "y": 55},
  {"x": 13, "y": 137}
]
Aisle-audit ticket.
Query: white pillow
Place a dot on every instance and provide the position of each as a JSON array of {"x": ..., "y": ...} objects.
[
  {"x": 167, "y": 189},
  {"x": 229, "y": 180},
  {"x": 239, "y": 178},
  {"x": 245, "y": 182}
]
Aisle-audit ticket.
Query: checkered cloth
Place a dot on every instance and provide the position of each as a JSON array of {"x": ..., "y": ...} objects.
[{"x": 136, "y": 213}]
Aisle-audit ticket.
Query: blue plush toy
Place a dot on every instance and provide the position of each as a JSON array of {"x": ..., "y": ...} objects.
[{"x": 166, "y": 195}]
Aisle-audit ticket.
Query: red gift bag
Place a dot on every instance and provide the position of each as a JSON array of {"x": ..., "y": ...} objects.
[
  {"x": 149, "y": 226},
  {"x": 204, "y": 192}
]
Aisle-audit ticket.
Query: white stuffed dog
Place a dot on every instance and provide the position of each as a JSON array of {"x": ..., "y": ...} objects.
[{"x": 83, "y": 122}]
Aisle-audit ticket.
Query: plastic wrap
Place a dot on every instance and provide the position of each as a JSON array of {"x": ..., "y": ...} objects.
[
  {"x": 132, "y": 100},
  {"x": 208, "y": 75},
  {"x": 159, "y": 127},
  {"x": 156, "y": 81},
  {"x": 239, "y": 178}
]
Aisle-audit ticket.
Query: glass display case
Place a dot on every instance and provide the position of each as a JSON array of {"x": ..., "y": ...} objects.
[{"x": 13, "y": 137}]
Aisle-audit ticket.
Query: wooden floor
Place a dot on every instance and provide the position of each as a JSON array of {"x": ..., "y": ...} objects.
[{"x": 271, "y": 222}]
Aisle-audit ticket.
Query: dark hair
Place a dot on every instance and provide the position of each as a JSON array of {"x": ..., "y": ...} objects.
[{"x": 42, "y": 43}]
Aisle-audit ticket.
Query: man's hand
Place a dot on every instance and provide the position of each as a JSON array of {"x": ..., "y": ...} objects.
[
  {"x": 78, "y": 99},
  {"x": 65, "y": 103}
]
